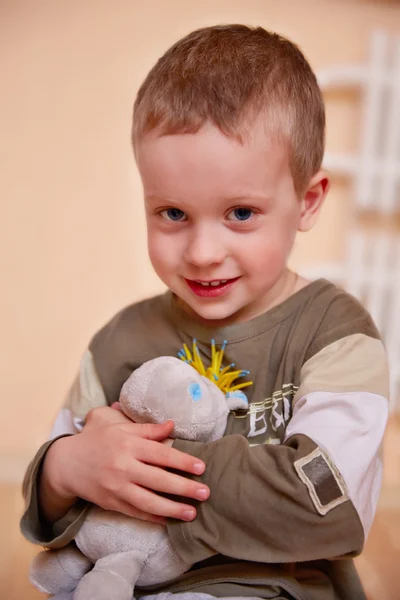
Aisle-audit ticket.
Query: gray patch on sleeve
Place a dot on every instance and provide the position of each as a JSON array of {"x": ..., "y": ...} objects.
[{"x": 324, "y": 482}]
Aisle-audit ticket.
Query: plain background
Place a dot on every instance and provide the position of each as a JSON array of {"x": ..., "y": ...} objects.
[{"x": 72, "y": 231}]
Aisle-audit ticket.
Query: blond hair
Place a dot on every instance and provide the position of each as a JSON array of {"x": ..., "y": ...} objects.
[{"x": 228, "y": 75}]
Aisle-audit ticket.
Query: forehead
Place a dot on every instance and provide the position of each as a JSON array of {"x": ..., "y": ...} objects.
[{"x": 210, "y": 163}]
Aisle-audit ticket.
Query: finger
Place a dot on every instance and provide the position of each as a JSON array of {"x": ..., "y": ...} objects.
[
  {"x": 118, "y": 406},
  {"x": 130, "y": 511},
  {"x": 148, "y": 501},
  {"x": 160, "y": 480},
  {"x": 152, "y": 431},
  {"x": 162, "y": 455},
  {"x": 105, "y": 416}
]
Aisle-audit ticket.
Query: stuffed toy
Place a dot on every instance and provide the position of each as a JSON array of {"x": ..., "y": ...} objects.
[{"x": 113, "y": 552}]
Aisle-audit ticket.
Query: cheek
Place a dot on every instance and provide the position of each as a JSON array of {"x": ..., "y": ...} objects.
[
  {"x": 268, "y": 253},
  {"x": 158, "y": 250},
  {"x": 164, "y": 250}
]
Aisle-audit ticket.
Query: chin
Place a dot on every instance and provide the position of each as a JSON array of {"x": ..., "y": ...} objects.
[
  {"x": 213, "y": 313},
  {"x": 207, "y": 310}
]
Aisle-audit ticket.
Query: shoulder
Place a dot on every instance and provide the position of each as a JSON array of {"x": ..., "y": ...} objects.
[
  {"x": 136, "y": 334},
  {"x": 346, "y": 352},
  {"x": 131, "y": 320},
  {"x": 335, "y": 314}
]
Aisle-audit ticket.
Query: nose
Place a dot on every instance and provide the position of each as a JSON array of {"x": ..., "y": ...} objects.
[{"x": 205, "y": 247}]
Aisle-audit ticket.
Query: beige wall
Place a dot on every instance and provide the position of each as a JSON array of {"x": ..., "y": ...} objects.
[{"x": 73, "y": 247}]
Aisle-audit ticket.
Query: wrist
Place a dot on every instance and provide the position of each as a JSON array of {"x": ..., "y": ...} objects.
[
  {"x": 54, "y": 497},
  {"x": 54, "y": 476}
]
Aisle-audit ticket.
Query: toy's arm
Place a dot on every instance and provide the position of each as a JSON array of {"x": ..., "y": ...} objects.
[
  {"x": 85, "y": 394},
  {"x": 312, "y": 497}
]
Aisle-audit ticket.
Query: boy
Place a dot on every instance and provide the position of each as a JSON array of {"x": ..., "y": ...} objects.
[{"x": 228, "y": 134}]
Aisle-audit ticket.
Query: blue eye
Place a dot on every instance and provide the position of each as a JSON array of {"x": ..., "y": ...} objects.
[
  {"x": 241, "y": 214},
  {"x": 173, "y": 214}
]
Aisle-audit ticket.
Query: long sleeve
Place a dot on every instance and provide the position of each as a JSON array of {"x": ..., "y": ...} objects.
[
  {"x": 86, "y": 393},
  {"x": 312, "y": 497}
]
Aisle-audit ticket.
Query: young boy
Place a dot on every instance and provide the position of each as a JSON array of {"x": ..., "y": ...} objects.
[{"x": 228, "y": 134}]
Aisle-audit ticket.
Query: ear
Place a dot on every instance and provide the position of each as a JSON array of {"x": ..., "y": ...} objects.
[
  {"x": 237, "y": 400},
  {"x": 312, "y": 200}
]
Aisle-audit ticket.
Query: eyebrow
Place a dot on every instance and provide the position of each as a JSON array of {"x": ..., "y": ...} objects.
[
  {"x": 248, "y": 198},
  {"x": 228, "y": 199},
  {"x": 154, "y": 198}
]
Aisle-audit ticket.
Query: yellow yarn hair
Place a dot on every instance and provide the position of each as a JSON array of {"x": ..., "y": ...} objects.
[{"x": 223, "y": 378}]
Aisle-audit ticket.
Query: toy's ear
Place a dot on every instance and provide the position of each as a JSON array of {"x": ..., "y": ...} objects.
[{"x": 237, "y": 400}]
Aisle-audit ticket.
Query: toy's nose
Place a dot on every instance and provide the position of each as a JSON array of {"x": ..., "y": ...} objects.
[{"x": 195, "y": 391}]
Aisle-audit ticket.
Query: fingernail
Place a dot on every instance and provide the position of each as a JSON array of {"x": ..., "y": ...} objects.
[
  {"x": 189, "y": 515},
  {"x": 198, "y": 468},
  {"x": 202, "y": 494}
]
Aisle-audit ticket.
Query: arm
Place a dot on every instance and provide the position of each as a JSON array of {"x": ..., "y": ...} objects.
[
  {"x": 46, "y": 502},
  {"x": 113, "y": 463},
  {"x": 314, "y": 496}
]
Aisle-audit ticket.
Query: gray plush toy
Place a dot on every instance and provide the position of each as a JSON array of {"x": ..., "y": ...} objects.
[{"x": 112, "y": 552}]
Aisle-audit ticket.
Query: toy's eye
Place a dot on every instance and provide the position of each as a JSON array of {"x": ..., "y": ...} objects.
[{"x": 195, "y": 391}]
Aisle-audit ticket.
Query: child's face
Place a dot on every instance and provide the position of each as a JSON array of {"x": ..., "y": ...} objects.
[{"x": 222, "y": 218}]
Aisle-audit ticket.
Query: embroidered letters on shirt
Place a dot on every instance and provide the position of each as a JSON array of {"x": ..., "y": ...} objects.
[{"x": 270, "y": 415}]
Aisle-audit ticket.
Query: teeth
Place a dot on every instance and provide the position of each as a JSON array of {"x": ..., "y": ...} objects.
[{"x": 212, "y": 283}]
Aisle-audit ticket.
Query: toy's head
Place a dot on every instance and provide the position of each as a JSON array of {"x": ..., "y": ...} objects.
[{"x": 168, "y": 388}]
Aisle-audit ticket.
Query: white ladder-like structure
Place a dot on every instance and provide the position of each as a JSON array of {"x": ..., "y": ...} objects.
[{"x": 371, "y": 271}]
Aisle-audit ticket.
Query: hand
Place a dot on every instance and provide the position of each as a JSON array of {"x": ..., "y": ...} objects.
[
  {"x": 117, "y": 406},
  {"x": 118, "y": 465}
]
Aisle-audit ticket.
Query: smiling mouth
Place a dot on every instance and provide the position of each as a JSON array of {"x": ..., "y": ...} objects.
[
  {"x": 214, "y": 283},
  {"x": 211, "y": 289}
]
